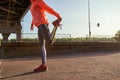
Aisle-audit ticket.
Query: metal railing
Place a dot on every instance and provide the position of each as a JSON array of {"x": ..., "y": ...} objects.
[
  {"x": 101, "y": 38},
  {"x": 33, "y": 37}
]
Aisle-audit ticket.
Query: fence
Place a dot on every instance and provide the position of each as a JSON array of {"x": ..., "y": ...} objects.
[
  {"x": 102, "y": 38},
  {"x": 33, "y": 37}
]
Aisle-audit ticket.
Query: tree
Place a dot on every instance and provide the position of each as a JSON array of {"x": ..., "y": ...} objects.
[{"x": 117, "y": 36}]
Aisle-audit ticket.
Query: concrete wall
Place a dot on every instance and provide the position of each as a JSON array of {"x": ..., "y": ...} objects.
[
  {"x": 1, "y": 53},
  {"x": 23, "y": 48}
]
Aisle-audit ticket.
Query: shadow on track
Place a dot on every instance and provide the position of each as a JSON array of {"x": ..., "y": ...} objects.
[
  {"x": 63, "y": 55},
  {"x": 21, "y": 74}
]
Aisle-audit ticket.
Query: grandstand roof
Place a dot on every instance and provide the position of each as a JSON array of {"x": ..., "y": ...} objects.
[{"x": 13, "y": 10}]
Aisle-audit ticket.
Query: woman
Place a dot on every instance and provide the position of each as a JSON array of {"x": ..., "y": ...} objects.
[{"x": 39, "y": 19}]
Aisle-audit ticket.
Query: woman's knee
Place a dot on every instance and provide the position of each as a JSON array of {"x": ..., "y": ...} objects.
[{"x": 49, "y": 42}]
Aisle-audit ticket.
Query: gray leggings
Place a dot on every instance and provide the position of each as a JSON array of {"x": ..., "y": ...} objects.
[{"x": 44, "y": 36}]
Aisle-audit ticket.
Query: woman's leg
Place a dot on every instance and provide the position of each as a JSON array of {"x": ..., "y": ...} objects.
[
  {"x": 42, "y": 44},
  {"x": 44, "y": 36}
]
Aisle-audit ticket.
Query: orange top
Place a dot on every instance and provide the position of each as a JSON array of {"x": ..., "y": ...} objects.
[{"x": 38, "y": 9}]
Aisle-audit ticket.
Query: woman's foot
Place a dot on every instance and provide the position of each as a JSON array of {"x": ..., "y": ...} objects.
[{"x": 41, "y": 68}]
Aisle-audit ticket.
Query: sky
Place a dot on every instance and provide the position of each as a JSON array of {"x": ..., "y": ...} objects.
[{"x": 75, "y": 17}]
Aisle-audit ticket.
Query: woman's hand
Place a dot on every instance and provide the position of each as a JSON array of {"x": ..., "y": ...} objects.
[
  {"x": 56, "y": 23},
  {"x": 32, "y": 27}
]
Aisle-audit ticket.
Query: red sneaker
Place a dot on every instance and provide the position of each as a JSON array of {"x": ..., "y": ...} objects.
[{"x": 41, "y": 68}]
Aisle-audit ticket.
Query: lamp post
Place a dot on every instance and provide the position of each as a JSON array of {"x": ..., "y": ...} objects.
[{"x": 89, "y": 19}]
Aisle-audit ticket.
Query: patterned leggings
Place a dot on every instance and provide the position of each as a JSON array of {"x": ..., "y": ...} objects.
[{"x": 44, "y": 36}]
